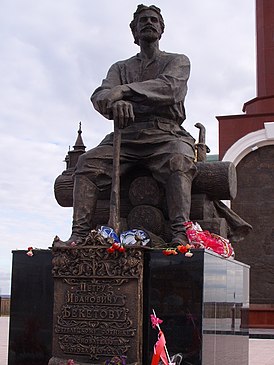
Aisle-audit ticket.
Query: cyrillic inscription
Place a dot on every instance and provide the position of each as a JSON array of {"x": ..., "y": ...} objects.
[
  {"x": 94, "y": 319},
  {"x": 97, "y": 306}
]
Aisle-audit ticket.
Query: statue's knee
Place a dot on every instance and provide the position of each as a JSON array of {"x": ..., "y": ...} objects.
[{"x": 181, "y": 163}]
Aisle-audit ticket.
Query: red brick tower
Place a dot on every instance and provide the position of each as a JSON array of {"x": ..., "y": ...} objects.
[
  {"x": 248, "y": 141},
  {"x": 260, "y": 109}
]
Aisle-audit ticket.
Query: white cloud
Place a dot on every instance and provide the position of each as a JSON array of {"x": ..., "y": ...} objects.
[{"x": 55, "y": 53}]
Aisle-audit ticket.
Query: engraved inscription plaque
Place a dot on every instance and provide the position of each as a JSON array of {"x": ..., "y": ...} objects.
[{"x": 97, "y": 304}]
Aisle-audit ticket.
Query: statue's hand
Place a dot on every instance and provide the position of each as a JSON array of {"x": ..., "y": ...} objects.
[
  {"x": 109, "y": 97},
  {"x": 122, "y": 112}
]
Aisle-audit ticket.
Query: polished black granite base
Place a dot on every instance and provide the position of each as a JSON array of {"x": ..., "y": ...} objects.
[
  {"x": 203, "y": 301},
  {"x": 30, "y": 334}
]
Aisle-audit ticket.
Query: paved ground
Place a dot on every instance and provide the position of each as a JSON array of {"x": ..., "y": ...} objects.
[
  {"x": 4, "y": 335},
  {"x": 261, "y": 351}
]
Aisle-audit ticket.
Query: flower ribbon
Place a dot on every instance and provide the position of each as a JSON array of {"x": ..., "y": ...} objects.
[{"x": 159, "y": 350}]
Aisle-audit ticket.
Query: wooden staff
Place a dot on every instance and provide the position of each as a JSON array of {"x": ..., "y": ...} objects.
[{"x": 114, "y": 208}]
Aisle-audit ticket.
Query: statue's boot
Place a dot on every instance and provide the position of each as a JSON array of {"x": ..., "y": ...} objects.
[
  {"x": 178, "y": 195},
  {"x": 85, "y": 195}
]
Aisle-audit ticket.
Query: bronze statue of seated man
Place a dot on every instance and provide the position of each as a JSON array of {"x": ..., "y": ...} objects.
[{"x": 144, "y": 95}]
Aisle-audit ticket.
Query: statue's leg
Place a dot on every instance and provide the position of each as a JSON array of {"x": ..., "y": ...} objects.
[
  {"x": 85, "y": 198},
  {"x": 175, "y": 170},
  {"x": 92, "y": 174},
  {"x": 84, "y": 203},
  {"x": 178, "y": 196}
]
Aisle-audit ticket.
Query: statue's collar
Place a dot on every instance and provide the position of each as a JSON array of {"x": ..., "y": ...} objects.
[{"x": 156, "y": 55}]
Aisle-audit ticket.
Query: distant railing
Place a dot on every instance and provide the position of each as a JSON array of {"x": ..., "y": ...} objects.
[{"x": 5, "y": 306}]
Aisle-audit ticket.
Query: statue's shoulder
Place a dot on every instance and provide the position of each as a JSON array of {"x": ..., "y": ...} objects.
[
  {"x": 127, "y": 61},
  {"x": 175, "y": 56}
]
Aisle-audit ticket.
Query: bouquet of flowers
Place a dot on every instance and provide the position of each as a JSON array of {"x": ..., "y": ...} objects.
[{"x": 204, "y": 239}]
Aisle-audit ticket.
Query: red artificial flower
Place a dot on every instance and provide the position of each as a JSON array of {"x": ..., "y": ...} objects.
[
  {"x": 110, "y": 249},
  {"x": 155, "y": 321},
  {"x": 116, "y": 245},
  {"x": 182, "y": 248},
  {"x": 170, "y": 251},
  {"x": 30, "y": 248},
  {"x": 174, "y": 252}
]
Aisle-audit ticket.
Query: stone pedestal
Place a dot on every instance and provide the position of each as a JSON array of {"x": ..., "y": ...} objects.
[
  {"x": 98, "y": 304},
  {"x": 103, "y": 302}
]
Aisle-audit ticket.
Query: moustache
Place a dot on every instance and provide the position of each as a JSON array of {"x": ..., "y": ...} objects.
[{"x": 150, "y": 27}]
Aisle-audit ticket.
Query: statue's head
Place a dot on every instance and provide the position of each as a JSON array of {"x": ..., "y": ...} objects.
[{"x": 143, "y": 12}]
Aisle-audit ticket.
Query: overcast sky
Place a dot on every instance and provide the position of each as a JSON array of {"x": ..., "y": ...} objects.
[{"x": 54, "y": 53}]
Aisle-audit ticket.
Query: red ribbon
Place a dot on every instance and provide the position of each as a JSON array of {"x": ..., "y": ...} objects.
[{"x": 159, "y": 350}]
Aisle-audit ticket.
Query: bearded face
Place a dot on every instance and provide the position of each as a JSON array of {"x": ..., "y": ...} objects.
[{"x": 148, "y": 26}]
